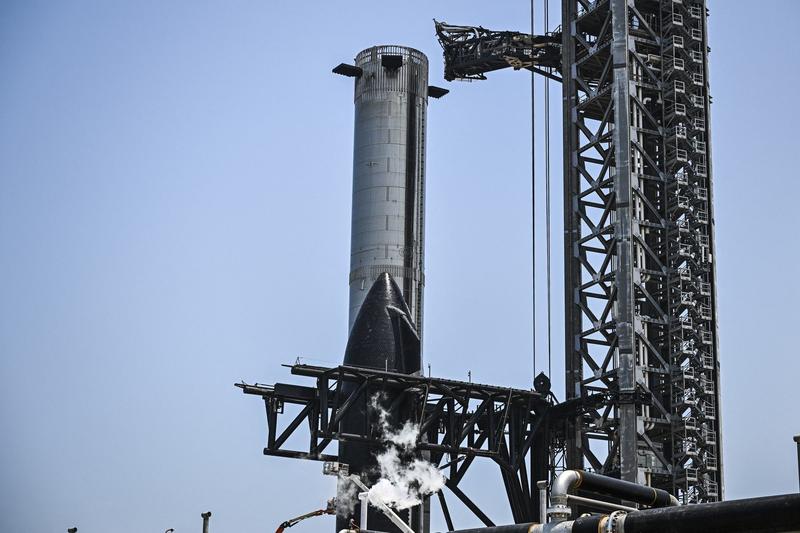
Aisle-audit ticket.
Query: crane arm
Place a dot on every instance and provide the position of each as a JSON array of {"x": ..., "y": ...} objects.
[
  {"x": 472, "y": 51},
  {"x": 292, "y": 521}
]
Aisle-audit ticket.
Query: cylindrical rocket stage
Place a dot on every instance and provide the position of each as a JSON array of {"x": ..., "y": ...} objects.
[{"x": 388, "y": 222}]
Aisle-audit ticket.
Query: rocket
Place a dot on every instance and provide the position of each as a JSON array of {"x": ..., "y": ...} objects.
[
  {"x": 387, "y": 240},
  {"x": 383, "y": 337}
]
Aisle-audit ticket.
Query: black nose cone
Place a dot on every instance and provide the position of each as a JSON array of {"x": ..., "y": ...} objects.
[{"x": 383, "y": 335}]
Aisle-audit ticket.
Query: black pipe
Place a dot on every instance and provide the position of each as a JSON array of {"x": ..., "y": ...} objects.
[
  {"x": 771, "y": 514},
  {"x": 588, "y": 524},
  {"x": 641, "y": 494}
]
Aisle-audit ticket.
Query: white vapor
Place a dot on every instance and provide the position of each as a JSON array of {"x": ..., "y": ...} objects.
[{"x": 404, "y": 479}]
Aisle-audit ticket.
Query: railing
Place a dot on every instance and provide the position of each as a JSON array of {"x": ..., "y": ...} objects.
[
  {"x": 684, "y": 397},
  {"x": 678, "y": 130},
  {"x": 682, "y": 322},
  {"x": 701, "y": 193},
  {"x": 700, "y": 170},
  {"x": 712, "y": 489},
  {"x": 708, "y": 409},
  {"x": 675, "y": 63},
  {"x": 676, "y": 109},
  {"x": 690, "y": 474}
]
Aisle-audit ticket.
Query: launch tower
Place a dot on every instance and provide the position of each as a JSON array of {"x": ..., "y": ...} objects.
[
  {"x": 640, "y": 291},
  {"x": 641, "y": 320}
]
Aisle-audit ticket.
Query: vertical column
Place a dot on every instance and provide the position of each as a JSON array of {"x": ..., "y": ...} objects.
[
  {"x": 572, "y": 233},
  {"x": 615, "y": 241},
  {"x": 624, "y": 314},
  {"x": 389, "y": 174}
]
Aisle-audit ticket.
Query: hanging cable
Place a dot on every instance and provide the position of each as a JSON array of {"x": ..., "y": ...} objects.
[
  {"x": 547, "y": 190},
  {"x": 533, "y": 191}
]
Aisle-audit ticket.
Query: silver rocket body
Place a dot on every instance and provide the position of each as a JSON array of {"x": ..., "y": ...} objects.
[{"x": 388, "y": 224}]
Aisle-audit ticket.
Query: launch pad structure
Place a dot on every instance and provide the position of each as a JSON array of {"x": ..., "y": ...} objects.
[
  {"x": 641, "y": 344},
  {"x": 639, "y": 278}
]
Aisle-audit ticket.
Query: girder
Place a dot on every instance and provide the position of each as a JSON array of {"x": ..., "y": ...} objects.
[{"x": 458, "y": 423}]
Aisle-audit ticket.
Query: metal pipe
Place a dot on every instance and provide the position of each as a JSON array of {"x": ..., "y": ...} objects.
[
  {"x": 597, "y": 504},
  {"x": 205, "y": 516},
  {"x": 542, "y": 486},
  {"x": 571, "y": 480},
  {"x": 391, "y": 515},
  {"x": 797, "y": 440},
  {"x": 770, "y": 514},
  {"x": 363, "y": 497}
]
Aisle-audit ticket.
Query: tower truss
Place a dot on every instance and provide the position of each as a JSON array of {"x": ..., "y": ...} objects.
[{"x": 640, "y": 323}]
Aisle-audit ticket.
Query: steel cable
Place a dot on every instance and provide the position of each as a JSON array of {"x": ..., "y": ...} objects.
[
  {"x": 533, "y": 189},
  {"x": 547, "y": 190}
]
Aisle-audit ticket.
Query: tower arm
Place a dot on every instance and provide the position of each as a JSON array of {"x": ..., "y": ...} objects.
[{"x": 472, "y": 51}]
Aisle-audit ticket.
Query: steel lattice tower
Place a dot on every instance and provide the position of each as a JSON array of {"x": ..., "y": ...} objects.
[{"x": 641, "y": 324}]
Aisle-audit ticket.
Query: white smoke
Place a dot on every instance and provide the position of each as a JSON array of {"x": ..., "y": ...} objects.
[
  {"x": 346, "y": 497},
  {"x": 404, "y": 479}
]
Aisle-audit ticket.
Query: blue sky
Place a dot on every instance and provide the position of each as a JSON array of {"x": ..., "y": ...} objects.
[{"x": 175, "y": 184}]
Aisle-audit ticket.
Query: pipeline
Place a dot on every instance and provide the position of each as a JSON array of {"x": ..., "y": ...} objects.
[
  {"x": 754, "y": 515},
  {"x": 571, "y": 480},
  {"x": 772, "y": 514}
]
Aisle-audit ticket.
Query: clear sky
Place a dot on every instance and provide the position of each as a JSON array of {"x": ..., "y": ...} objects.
[{"x": 175, "y": 184}]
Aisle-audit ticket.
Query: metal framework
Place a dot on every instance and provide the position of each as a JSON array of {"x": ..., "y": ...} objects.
[
  {"x": 642, "y": 366},
  {"x": 640, "y": 292},
  {"x": 639, "y": 280},
  {"x": 459, "y": 422},
  {"x": 472, "y": 51}
]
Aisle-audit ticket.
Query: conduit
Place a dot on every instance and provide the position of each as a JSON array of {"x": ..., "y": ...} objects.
[
  {"x": 755, "y": 515},
  {"x": 571, "y": 480}
]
